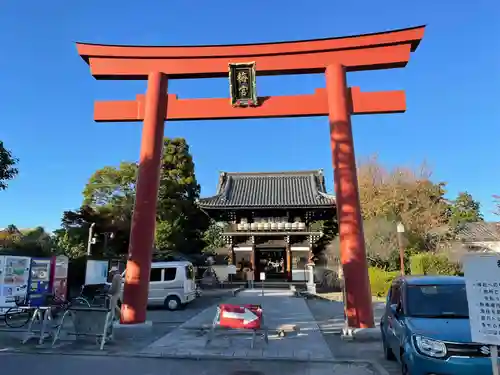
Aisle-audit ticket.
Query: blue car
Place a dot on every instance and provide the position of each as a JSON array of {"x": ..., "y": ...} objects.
[{"x": 425, "y": 327}]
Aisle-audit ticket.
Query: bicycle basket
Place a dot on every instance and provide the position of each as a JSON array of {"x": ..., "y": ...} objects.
[{"x": 91, "y": 291}]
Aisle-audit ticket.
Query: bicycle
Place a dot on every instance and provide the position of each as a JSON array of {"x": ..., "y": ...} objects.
[{"x": 20, "y": 314}]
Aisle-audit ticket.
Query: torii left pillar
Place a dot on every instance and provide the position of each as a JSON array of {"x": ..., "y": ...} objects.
[{"x": 135, "y": 295}]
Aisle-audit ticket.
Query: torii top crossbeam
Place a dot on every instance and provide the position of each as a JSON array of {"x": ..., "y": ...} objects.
[
  {"x": 389, "y": 49},
  {"x": 383, "y": 50}
]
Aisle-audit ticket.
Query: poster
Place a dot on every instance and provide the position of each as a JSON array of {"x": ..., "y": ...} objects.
[
  {"x": 96, "y": 272},
  {"x": 60, "y": 282},
  {"x": 14, "y": 277},
  {"x": 39, "y": 284},
  {"x": 482, "y": 278}
]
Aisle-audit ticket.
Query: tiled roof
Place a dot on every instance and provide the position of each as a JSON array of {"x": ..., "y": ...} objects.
[
  {"x": 480, "y": 231},
  {"x": 273, "y": 189}
]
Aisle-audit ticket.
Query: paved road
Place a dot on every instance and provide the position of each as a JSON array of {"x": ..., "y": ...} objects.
[
  {"x": 80, "y": 365},
  {"x": 159, "y": 315}
]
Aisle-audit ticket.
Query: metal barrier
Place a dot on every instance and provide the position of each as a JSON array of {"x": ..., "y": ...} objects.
[
  {"x": 242, "y": 318},
  {"x": 89, "y": 321},
  {"x": 42, "y": 313}
]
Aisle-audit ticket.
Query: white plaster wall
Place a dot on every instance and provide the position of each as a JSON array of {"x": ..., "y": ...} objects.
[{"x": 489, "y": 245}]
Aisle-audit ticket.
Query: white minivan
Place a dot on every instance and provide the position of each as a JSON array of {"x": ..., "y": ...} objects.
[{"x": 171, "y": 284}]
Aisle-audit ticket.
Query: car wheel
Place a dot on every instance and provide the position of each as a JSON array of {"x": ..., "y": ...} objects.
[
  {"x": 172, "y": 303},
  {"x": 404, "y": 367}
]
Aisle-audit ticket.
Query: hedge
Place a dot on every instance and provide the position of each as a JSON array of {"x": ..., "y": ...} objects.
[
  {"x": 433, "y": 264},
  {"x": 381, "y": 280}
]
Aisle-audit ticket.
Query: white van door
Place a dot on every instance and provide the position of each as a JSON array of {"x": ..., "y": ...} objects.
[{"x": 156, "y": 292}]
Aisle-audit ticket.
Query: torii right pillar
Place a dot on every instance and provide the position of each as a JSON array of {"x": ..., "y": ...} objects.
[{"x": 358, "y": 299}]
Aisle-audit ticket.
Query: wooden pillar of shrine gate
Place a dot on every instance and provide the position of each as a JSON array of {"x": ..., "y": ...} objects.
[
  {"x": 358, "y": 307},
  {"x": 135, "y": 294}
]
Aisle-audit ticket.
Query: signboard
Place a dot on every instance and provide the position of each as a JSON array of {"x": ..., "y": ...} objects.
[
  {"x": 243, "y": 84},
  {"x": 231, "y": 269},
  {"x": 482, "y": 283},
  {"x": 14, "y": 278},
  {"x": 482, "y": 277},
  {"x": 262, "y": 276},
  {"x": 240, "y": 316},
  {"x": 96, "y": 272},
  {"x": 60, "y": 281},
  {"x": 39, "y": 283}
]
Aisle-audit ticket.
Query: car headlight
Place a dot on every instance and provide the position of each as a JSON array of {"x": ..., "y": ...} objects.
[{"x": 429, "y": 347}]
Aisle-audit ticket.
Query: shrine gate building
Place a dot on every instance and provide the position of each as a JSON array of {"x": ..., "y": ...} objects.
[{"x": 270, "y": 220}]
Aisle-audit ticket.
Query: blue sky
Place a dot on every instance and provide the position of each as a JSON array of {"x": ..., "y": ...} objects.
[{"x": 452, "y": 84}]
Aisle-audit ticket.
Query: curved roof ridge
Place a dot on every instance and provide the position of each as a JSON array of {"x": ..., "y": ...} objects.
[
  {"x": 277, "y": 173},
  {"x": 326, "y": 195},
  {"x": 270, "y": 189},
  {"x": 227, "y": 188}
]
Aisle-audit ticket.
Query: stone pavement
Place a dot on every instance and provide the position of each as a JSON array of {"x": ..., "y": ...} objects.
[
  {"x": 316, "y": 349},
  {"x": 105, "y": 365},
  {"x": 280, "y": 307},
  {"x": 163, "y": 322},
  {"x": 329, "y": 316}
]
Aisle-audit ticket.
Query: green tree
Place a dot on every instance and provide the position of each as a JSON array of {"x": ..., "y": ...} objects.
[
  {"x": 330, "y": 229},
  {"x": 212, "y": 237},
  {"x": 72, "y": 238},
  {"x": 402, "y": 194},
  {"x": 8, "y": 168},
  {"x": 109, "y": 198},
  {"x": 9, "y": 236},
  {"x": 110, "y": 194},
  {"x": 28, "y": 242},
  {"x": 177, "y": 196},
  {"x": 65, "y": 244},
  {"x": 463, "y": 210},
  {"x": 35, "y": 242},
  {"x": 113, "y": 189}
]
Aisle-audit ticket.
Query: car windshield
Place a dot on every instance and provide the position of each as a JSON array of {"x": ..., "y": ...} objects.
[{"x": 437, "y": 301}]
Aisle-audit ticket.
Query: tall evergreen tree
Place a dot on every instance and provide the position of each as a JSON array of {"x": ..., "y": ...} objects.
[
  {"x": 463, "y": 210},
  {"x": 181, "y": 223}
]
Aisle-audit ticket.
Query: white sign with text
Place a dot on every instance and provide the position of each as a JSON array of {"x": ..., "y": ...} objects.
[{"x": 482, "y": 279}]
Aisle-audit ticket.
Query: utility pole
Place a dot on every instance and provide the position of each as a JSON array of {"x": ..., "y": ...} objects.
[
  {"x": 401, "y": 229},
  {"x": 90, "y": 240},
  {"x": 107, "y": 236}
]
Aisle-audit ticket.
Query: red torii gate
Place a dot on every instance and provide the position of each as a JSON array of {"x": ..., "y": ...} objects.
[{"x": 333, "y": 56}]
